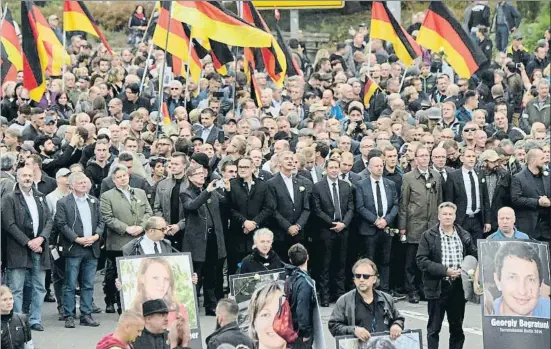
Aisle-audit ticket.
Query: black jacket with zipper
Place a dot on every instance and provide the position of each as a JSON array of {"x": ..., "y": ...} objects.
[
  {"x": 15, "y": 331},
  {"x": 255, "y": 262}
]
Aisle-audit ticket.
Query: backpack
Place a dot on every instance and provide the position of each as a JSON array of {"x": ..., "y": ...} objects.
[{"x": 283, "y": 321}]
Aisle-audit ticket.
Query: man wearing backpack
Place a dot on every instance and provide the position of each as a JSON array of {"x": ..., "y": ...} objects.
[{"x": 300, "y": 294}]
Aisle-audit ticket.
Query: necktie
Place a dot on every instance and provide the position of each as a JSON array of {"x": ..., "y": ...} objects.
[
  {"x": 155, "y": 248},
  {"x": 343, "y": 176},
  {"x": 442, "y": 174},
  {"x": 473, "y": 192},
  {"x": 379, "y": 200},
  {"x": 336, "y": 203}
]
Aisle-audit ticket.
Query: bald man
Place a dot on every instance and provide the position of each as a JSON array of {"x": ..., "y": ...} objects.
[
  {"x": 129, "y": 328},
  {"x": 506, "y": 226}
]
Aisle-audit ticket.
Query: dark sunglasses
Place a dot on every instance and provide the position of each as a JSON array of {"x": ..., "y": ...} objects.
[
  {"x": 363, "y": 276},
  {"x": 469, "y": 129}
]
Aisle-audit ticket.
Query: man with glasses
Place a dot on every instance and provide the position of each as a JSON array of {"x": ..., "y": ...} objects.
[
  {"x": 249, "y": 211},
  {"x": 438, "y": 159},
  {"x": 442, "y": 249},
  {"x": 468, "y": 135},
  {"x": 365, "y": 146},
  {"x": 152, "y": 242},
  {"x": 365, "y": 310}
]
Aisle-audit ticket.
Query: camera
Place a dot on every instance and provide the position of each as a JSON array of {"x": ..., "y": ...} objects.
[{"x": 219, "y": 184}]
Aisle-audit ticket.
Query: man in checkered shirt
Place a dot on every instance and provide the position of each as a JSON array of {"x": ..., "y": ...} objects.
[{"x": 441, "y": 251}]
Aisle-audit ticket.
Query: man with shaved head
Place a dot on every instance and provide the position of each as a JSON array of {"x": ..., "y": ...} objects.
[{"x": 506, "y": 226}]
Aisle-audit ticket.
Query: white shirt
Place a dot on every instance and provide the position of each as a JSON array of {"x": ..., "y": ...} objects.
[
  {"x": 148, "y": 245},
  {"x": 52, "y": 199},
  {"x": 467, "y": 181},
  {"x": 126, "y": 193},
  {"x": 383, "y": 195},
  {"x": 336, "y": 181},
  {"x": 206, "y": 132},
  {"x": 85, "y": 215},
  {"x": 267, "y": 166},
  {"x": 289, "y": 184},
  {"x": 314, "y": 174},
  {"x": 33, "y": 209},
  {"x": 444, "y": 173}
]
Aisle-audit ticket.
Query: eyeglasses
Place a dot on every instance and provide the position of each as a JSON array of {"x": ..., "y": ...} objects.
[
  {"x": 244, "y": 167},
  {"x": 167, "y": 144},
  {"x": 469, "y": 129},
  {"x": 174, "y": 88},
  {"x": 363, "y": 276}
]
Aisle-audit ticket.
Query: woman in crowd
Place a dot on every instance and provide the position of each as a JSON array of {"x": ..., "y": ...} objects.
[
  {"x": 62, "y": 106},
  {"x": 16, "y": 333},
  {"x": 137, "y": 25},
  {"x": 263, "y": 257}
]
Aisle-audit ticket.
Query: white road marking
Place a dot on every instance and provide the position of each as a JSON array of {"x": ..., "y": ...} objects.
[{"x": 425, "y": 318}]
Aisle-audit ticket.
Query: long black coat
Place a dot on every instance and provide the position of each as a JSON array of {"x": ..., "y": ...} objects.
[
  {"x": 524, "y": 199},
  {"x": 429, "y": 258},
  {"x": 287, "y": 212},
  {"x": 454, "y": 191},
  {"x": 501, "y": 197},
  {"x": 18, "y": 224},
  {"x": 324, "y": 209},
  {"x": 196, "y": 203},
  {"x": 68, "y": 222},
  {"x": 253, "y": 205}
]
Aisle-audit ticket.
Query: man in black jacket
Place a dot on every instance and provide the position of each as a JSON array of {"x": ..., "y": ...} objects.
[
  {"x": 227, "y": 330},
  {"x": 263, "y": 257},
  {"x": 441, "y": 252},
  {"x": 290, "y": 199},
  {"x": 498, "y": 184},
  {"x": 333, "y": 208},
  {"x": 51, "y": 162},
  {"x": 79, "y": 221},
  {"x": 301, "y": 296},
  {"x": 353, "y": 313},
  {"x": 250, "y": 209}
]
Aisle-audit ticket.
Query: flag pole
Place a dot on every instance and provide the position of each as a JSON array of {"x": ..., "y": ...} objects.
[
  {"x": 149, "y": 23},
  {"x": 64, "y": 59},
  {"x": 150, "y": 51},
  {"x": 403, "y": 79},
  {"x": 186, "y": 90},
  {"x": 162, "y": 77},
  {"x": 369, "y": 57}
]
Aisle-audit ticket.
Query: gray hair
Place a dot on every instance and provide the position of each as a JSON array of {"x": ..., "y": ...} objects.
[
  {"x": 117, "y": 169},
  {"x": 7, "y": 161},
  {"x": 262, "y": 231},
  {"x": 153, "y": 222},
  {"x": 76, "y": 176},
  {"x": 447, "y": 204}
]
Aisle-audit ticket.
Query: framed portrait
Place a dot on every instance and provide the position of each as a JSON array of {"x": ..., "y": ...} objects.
[
  {"x": 161, "y": 276},
  {"x": 242, "y": 286},
  {"x": 516, "y": 308},
  {"x": 410, "y": 339}
]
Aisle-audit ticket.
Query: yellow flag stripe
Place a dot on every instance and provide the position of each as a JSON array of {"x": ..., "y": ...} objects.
[
  {"x": 14, "y": 55},
  {"x": 384, "y": 31},
  {"x": 75, "y": 21}
]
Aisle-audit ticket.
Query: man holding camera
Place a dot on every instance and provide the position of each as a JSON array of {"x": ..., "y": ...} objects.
[{"x": 355, "y": 126}]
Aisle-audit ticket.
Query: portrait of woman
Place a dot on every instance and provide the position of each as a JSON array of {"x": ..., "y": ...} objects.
[
  {"x": 262, "y": 311},
  {"x": 156, "y": 279}
]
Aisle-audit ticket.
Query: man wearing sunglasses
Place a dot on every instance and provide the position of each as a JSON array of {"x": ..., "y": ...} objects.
[
  {"x": 365, "y": 310},
  {"x": 152, "y": 242}
]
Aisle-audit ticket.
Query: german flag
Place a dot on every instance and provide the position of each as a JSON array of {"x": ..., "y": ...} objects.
[
  {"x": 54, "y": 48},
  {"x": 442, "y": 32},
  {"x": 76, "y": 17},
  {"x": 368, "y": 90},
  {"x": 35, "y": 57},
  {"x": 220, "y": 53},
  {"x": 272, "y": 59},
  {"x": 7, "y": 68},
  {"x": 292, "y": 66},
  {"x": 217, "y": 23},
  {"x": 178, "y": 40},
  {"x": 385, "y": 27},
  {"x": 166, "y": 116},
  {"x": 253, "y": 86},
  {"x": 11, "y": 49},
  {"x": 178, "y": 67}
]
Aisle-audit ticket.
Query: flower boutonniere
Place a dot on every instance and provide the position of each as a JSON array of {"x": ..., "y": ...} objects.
[
  {"x": 252, "y": 183},
  {"x": 209, "y": 201},
  {"x": 138, "y": 201},
  {"x": 546, "y": 173},
  {"x": 428, "y": 185},
  {"x": 93, "y": 201},
  {"x": 301, "y": 188},
  {"x": 324, "y": 173},
  {"x": 483, "y": 180}
]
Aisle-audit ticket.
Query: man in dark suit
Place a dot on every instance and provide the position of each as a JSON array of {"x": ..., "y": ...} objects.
[
  {"x": 333, "y": 208},
  {"x": 377, "y": 206},
  {"x": 366, "y": 145},
  {"x": 79, "y": 220},
  {"x": 152, "y": 242},
  {"x": 290, "y": 199},
  {"x": 530, "y": 193},
  {"x": 438, "y": 159},
  {"x": 27, "y": 221},
  {"x": 209, "y": 132},
  {"x": 498, "y": 184},
  {"x": 347, "y": 162},
  {"x": 204, "y": 234},
  {"x": 467, "y": 189},
  {"x": 249, "y": 208}
]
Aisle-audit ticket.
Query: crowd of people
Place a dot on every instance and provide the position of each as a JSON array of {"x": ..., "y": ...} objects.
[{"x": 377, "y": 203}]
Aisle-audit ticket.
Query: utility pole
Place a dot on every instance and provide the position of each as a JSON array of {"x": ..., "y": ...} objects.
[
  {"x": 395, "y": 8},
  {"x": 294, "y": 24}
]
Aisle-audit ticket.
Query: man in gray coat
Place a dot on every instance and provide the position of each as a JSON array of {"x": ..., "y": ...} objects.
[
  {"x": 421, "y": 195},
  {"x": 28, "y": 223},
  {"x": 125, "y": 211}
]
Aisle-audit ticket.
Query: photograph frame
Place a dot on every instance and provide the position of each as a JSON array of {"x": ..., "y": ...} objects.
[
  {"x": 233, "y": 280},
  {"x": 179, "y": 275},
  {"x": 354, "y": 343}
]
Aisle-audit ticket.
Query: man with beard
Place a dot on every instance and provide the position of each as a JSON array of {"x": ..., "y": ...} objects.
[
  {"x": 227, "y": 331},
  {"x": 47, "y": 149},
  {"x": 530, "y": 192},
  {"x": 498, "y": 184}
]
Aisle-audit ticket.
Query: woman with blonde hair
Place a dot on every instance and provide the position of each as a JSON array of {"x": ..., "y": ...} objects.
[
  {"x": 115, "y": 79},
  {"x": 16, "y": 330},
  {"x": 156, "y": 281},
  {"x": 262, "y": 310}
]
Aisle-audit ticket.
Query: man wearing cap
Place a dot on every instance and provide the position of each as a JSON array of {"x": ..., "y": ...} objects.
[
  {"x": 498, "y": 184},
  {"x": 517, "y": 52},
  {"x": 355, "y": 126}
]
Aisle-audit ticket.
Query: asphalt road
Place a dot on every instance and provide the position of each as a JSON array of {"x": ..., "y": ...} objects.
[{"x": 56, "y": 336}]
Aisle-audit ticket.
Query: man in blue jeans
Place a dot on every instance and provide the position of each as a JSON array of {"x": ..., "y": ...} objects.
[
  {"x": 79, "y": 222},
  {"x": 27, "y": 223},
  {"x": 506, "y": 20}
]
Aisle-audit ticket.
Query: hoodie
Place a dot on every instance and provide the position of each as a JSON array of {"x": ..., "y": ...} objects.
[
  {"x": 110, "y": 342},
  {"x": 302, "y": 300}
]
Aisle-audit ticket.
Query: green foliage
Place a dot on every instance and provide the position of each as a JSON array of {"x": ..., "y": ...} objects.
[{"x": 533, "y": 31}]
